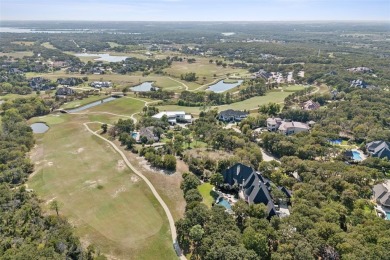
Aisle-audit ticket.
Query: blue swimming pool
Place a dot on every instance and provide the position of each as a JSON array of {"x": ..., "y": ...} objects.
[
  {"x": 134, "y": 135},
  {"x": 337, "y": 141},
  {"x": 356, "y": 156},
  {"x": 388, "y": 215},
  {"x": 224, "y": 203}
]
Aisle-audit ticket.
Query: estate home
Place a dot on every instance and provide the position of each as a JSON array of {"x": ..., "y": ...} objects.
[
  {"x": 175, "y": 117},
  {"x": 231, "y": 115},
  {"x": 379, "y": 149},
  {"x": 310, "y": 105},
  {"x": 381, "y": 195},
  {"x": 253, "y": 187},
  {"x": 284, "y": 127}
]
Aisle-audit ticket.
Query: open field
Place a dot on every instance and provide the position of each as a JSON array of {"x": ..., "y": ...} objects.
[
  {"x": 48, "y": 45},
  {"x": 249, "y": 104},
  {"x": 109, "y": 205},
  {"x": 15, "y": 96},
  {"x": 17, "y": 54},
  {"x": 203, "y": 69},
  {"x": 121, "y": 106},
  {"x": 84, "y": 101},
  {"x": 293, "y": 88},
  {"x": 118, "y": 79}
]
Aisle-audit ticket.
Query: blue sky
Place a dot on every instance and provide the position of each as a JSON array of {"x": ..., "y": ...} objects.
[{"x": 195, "y": 10}]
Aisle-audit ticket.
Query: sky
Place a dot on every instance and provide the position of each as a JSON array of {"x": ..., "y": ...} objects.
[{"x": 195, "y": 10}]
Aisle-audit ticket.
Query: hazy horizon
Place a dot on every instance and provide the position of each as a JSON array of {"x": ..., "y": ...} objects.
[{"x": 196, "y": 11}]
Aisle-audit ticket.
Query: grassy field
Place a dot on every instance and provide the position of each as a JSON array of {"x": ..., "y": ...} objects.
[
  {"x": 110, "y": 206},
  {"x": 15, "y": 96},
  {"x": 293, "y": 88},
  {"x": 17, "y": 54},
  {"x": 118, "y": 79},
  {"x": 24, "y": 43},
  {"x": 249, "y": 104},
  {"x": 77, "y": 103},
  {"x": 203, "y": 69},
  {"x": 209, "y": 196},
  {"x": 121, "y": 106},
  {"x": 48, "y": 45}
]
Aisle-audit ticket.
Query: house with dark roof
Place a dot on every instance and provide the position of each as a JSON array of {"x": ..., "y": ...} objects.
[
  {"x": 379, "y": 149},
  {"x": 64, "y": 91},
  {"x": 148, "y": 132},
  {"x": 231, "y": 115},
  {"x": 254, "y": 187},
  {"x": 381, "y": 195}
]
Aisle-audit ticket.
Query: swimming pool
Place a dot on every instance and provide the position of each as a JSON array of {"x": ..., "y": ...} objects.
[
  {"x": 134, "y": 135},
  {"x": 356, "y": 155},
  {"x": 224, "y": 203},
  {"x": 388, "y": 215},
  {"x": 336, "y": 141}
]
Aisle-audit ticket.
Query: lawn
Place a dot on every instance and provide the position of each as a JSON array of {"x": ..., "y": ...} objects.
[
  {"x": 121, "y": 106},
  {"x": 77, "y": 103},
  {"x": 17, "y": 54},
  {"x": 293, "y": 88},
  {"x": 249, "y": 104},
  {"x": 209, "y": 196},
  {"x": 109, "y": 205},
  {"x": 203, "y": 69}
]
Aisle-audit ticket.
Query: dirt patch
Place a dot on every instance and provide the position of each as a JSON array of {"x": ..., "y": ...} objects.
[
  {"x": 80, "y": 150},
  {"x": 50, "y": 163},
  {"x": 134, "y": 179},
  {"x": 92, "y": 184},
  {"x": 120, "y": 190},
  {"x": 120, "y": 166},
  {"x": 50, "y": 200}
]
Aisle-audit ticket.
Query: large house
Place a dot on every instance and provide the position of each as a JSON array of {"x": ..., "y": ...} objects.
[
  {"x": 101, "y": 84},
  {"x": 289, "y": 128},
  {"x": 148, "y": 133},
  {"x": 381, "y": 195},
  {"x": 284, "y": 127},
  {"x": 254, "y": 188},
  {"x": 380, "y": 149},
  {"x": 175, "y": 117},
  {"x": 231, "y": 115},
  {"x": 310, "y": 105}
]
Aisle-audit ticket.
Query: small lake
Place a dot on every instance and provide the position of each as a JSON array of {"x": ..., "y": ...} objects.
[
  {"x": 39, "y": 128},
  {"x": 102, "y": 57},
  {"x": 93, "y": 104},
  {"x": 144, "y": 87},
  {"x": 220, "y": 86}
]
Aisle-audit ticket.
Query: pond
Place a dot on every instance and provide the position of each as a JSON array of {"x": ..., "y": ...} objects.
[
  {"x": 102, "y": 57},
  {"x": 144, "y": 87},
  {"x": 39, "y": 128},
  {"x": 93, "y": 104},
  {"x": 221, "y": 86}
]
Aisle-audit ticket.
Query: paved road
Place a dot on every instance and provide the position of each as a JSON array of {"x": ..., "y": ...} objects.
[{"x": 155, "y": 193}]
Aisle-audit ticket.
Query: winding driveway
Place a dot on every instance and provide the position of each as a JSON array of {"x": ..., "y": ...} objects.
[{"x": 155, "y": 193}]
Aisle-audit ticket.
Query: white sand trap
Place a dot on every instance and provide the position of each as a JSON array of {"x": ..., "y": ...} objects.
[{"x": 50, "y": 163}]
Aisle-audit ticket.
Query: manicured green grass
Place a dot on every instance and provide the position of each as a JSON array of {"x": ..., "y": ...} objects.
[
  {"x": 253, "y": 103},
  {"x": 78, "y": 103},
  {"x": 15, "y": 96},
  {"x": 293, "y": 88},
  {"x": 121, "y": 106},
  {"x": 249, "y": 104},
  {"x": 203, "y": 69},
  {"x": 209, "y": 196},
  {"x": 48, "y": 45},
  {"x": 17, "y": 54},
  {"x": 122, "y": 218}
]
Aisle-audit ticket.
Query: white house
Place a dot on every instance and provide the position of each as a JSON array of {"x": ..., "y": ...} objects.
[{"x": 175, "y": 117}]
